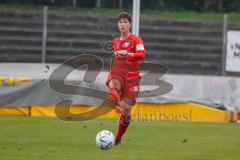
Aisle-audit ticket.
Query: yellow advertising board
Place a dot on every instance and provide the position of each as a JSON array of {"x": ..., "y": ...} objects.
[{"x": 180, "y": 112}]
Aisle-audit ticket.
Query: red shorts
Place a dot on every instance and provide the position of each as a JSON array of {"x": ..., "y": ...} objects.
[{"x": 129, "y": 84}]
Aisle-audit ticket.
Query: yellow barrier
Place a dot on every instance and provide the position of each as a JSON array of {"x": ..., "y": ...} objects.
[
  {"x": 185, "y": 112},
  {"x": 182, "y": 112},
  {"x": 19, "y": 111}
]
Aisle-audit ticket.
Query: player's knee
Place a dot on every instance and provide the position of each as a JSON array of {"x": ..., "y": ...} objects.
[
  {"x": 126, "y": 111},
  {"x": 128, "y": 101},
  {"x": 126, "y": 108},
  {"x": 114, "y": 83}
]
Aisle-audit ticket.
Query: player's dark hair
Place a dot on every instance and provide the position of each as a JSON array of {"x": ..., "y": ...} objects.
[{"x": 124, "y": 15}]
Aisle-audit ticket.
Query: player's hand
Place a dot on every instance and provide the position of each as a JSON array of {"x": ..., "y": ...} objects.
[{"x": 121, "y": 53}]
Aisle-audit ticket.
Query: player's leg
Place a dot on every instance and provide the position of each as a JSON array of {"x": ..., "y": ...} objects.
[
  {"x": 115, "y": 87},
  {"x": 114, "y": 98},
  {"x": 125, "y": 118},
  {"x": 129, "y": 92}
]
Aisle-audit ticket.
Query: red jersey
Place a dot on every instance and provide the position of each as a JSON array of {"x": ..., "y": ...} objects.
[{"x": 123, "y": 65}]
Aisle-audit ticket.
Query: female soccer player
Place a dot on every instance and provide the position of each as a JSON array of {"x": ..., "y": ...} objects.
[{"x": 123, "y": 79}]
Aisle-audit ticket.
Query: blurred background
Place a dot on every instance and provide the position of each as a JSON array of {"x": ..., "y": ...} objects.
[
  {"x": 198, "y": 40},
  {"x": 186, "y": 36}
]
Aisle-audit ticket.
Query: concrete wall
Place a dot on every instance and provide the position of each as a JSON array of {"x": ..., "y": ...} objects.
[
  {"x": 218, "y": 90},
  {"x": 209, "y": 90}
]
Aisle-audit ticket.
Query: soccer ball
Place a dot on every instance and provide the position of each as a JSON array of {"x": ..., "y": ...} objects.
[{"x": 105, "y": 139}]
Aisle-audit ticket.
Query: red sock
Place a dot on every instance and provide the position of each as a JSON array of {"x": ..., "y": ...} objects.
[{"x": 123, "y": 125}]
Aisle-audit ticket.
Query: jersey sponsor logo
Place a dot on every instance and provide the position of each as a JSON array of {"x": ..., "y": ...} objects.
[
  {"x": 124, "y": 45},
  {"x": 139, "y": 47}
]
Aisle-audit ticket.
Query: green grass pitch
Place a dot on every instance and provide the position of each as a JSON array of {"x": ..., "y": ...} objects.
[{"x": 29, "y": 138}]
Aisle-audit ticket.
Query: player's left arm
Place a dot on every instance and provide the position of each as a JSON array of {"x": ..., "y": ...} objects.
[{"x": 140, "y": 52}]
